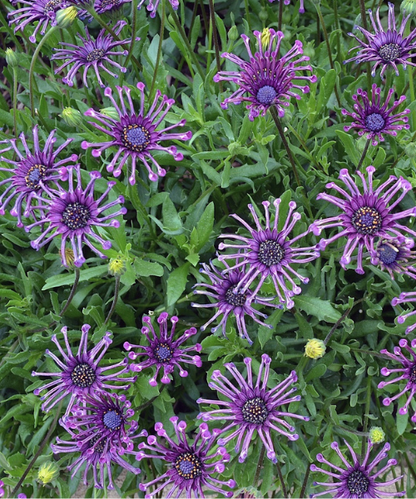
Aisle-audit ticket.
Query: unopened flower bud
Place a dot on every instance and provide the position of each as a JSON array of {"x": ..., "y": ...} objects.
[
  {"x": 263, "y": 15},
  {"x": 47, "y": 472},
  {"x": 265, "y": 38},
  {"x": 408, "y": 7},
  {"x": 65, "y": 17},
  {"x": 11, "y": 58},
  {"x": 377, "y": 435},
  {"x": 116, "y": 266},
  {"x": 233, "y": 33},
  {"x": 315, "y": 349},
  {"x": 72, "y": 116},
  {"x": 70, "y": 257}
]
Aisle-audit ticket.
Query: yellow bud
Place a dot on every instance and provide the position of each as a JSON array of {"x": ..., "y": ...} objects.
[
  {"x": 116, "y": 266},
  {"x": 265, "y": 38},
  {"x": 11, "y": 58},
  {"x": 377, "y": 435},
  {"x": 65, "y": 17},
  {"x": 315, "y": 349},
  {"x": 69, "y": 256},
  {"x": 47, "y": 472}
]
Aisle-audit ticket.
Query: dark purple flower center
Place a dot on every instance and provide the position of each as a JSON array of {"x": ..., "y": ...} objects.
[
  {"x": 266, "y": 95},
  {"x": 270, "y": 252},
  {"x": 235, "y": 299},
  {"x": 112, "y": 420},
  {"x": 135, "y": 137},
  {"x": 254, "y": 411},
  {"x": 99, "y": 449},
  {"x": 188, "y": 466},
  {"x": 108, "y": 4},
  {"x": 375, "y": 122},
  {"x": 387, "y": 253},
  {"x": 412, "y": 373},
  {"x": 389, "y": 52},
  {"x": 358, "y": 483},
  {"x": 52, "y": 6},
  {"x": 76, "y": 216},
  {"x": 95, "y": 55},
  {"x": 35, "y": 174},
  {"x": 83, "y": 375},
  {"x": 163, "y": 352},
  {"x": 366, "y": 220}
]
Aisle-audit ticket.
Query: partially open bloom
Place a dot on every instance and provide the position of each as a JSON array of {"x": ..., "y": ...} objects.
[
  {"x": 267, "y": 77},
  {"x": 191, "y": 465},
  {"x": 163, "y": 351},
  {"x": 366, "y": 216},
  {"x": 252, "y": 408},
  {"x": 374, "y": 119},
  {"x": 269, "y": 252},
  {"x": 47, "y": 472},
  {"x": 385, "y": 48},
  {"x": 152, "y": 5},
  {"x": 74, "y": 214},
  {"x": 359, "y": 479},
  {"x": 92, "y": 54},
  {"x": 135, "y": 134},
  {"x": 409, "y": 297},
  {"x": 396, "y": 256},
  {"x": 377, "y": 435},
  {"x": 80, "y": 374},
  {"x": 229, "y": 303},
  {"x": 31, "y": 171},
  {"x": 406, "y": 373},
  {"x": 314, "y": 348}
]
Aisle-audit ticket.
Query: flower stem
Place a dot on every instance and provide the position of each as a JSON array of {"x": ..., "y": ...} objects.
[
  {"x": 364, "y": 22},
  {"x": 259, "y": 466},
  {"x": 133, "y": 33},
  {"x": 15, "y": 101},
  {"x": 215, "y": 38},
  {"x": 279, "y": 26},
  {"x": 159, "y": 49},
  {"x": 305, "y": 483},
  {"x": 335, "y": 326},
  {"x": 113, "y": 305},
  {"x": 247, "y": 8},
  {"x": 366, "y": 413},
  {"x": 72, "y": 293},
  {"x": 282, "y": 482},
  {"x": 363, "y": 155}
]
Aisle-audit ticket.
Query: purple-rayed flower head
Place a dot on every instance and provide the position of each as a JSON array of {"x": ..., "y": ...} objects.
[
  {"x": 374, "y": 119},
  {"x": 252, "y": 407},
  {"x": 31, "y": 171},
  {"x": 287, "y": 2},
  {"x": 92, "y": 54},
  {"x": 269, "y": 252},
  {"x": 163, "y": 351},
  {"x": 1, "y": 488},
  {"x": 229, "y": 303},
  {"x": 135, "y": 134},
  {"x": 409, "y": 297},
  {"x": 406, "y": 373},
  {"x": 152, "y": 5},
  {"x": 359, "y": 479},
  {"x": 385, "y": 48},
  {"x": 74, "y": 214},
  {"x": 109, "y": 6},
  {"x": 191, "y": 465},
  {"x": 396, "y": 256},
  {"x": 366, "y": 216},
  {"x": 267, "y": 77},
  {"x": 80, "y": 374}
]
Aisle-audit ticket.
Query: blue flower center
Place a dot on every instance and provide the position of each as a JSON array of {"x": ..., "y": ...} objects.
[
  {"x": 358, "y": 483},
  {"x": 163, "y": 352},
  {"x": 34, "y": 175},
  {"x": 375, "y": 122},
  {"x": 388, "y": 254},
  {"x": 83, "y": 375},
  {"x": 389, "y": 52},
  {"x": 235, "y": 299},
  {"x": 76, "y": 216},
  {"x": 135, "y": 137},
  {"x": 188, "y": 466},
  {"x": 266, "y": 95},
  {"x": 254, "y": 411},
  {"x": 270, "y": 253},
  {"x": 112, "y": 420},
  {"x": 95, "y": 55},
  {"x": 366, "y": 221}
]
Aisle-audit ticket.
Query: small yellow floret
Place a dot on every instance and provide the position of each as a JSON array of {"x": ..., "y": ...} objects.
[
  {"x": 377, "y": 435},
  {"x": 47, "y": 472},
  {"x": 315, "y": 349},
  {"x": 65, "y": 17},
  {"x": 265, "y": 38},
  {"x": 116, "y": 266}
]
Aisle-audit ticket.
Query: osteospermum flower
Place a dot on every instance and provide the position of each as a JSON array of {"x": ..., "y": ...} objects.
[
  {"x": 191, "y": 465},
  {"x": 359, "y": 479},
  {"x": 267, "y": 78},
  {"x": 366, "y": 215},
  {"x": 164, "y": 352},
  {"x": 74, "y": 214},
  {"x": 152, "y": 5},
  {"x": 80, "y": 374},
  {"x": 406, "y": 297},
  {"x": 385, "y": 48},
  {"x": 287, "y": 2},
  {"x": 31, "y": 171},
  {"x": 109, "y": 6},
  {"x": 374, "y": 119},
  {"x": 396, "y": 256},
  {"x": 92, "y": 54},
  {"x": 252, "y": 408},
  {"x": 135, "y": 134},
  {"x": 269, "y": 252},
  {"x": 229, "y": 303}
]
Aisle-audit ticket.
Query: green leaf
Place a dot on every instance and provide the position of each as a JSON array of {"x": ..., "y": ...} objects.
[
  {"x": 350, "y": 145},
  {"x": 176, "y": 283},
  {"x": 146, "y": 269},
  {"x": 205, "y": 226},
  {"x": 68, "y": 278},
  {"x": 322, "y": 309},
  {"x": 316, "y": 372},
  {"x": 171, "y": 220}
]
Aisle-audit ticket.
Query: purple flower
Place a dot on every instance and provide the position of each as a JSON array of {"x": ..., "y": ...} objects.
[
  {"x": 189, "y": 468},
  {"x": 92, "y": 54},
  {"x": 43, "y": 11},
  {"x": 252, "y": 407},
  {"x": 80, "y": 374},
  {"x": 109, "y": 6},
  {"x": 229, "y": 303},
  {"x": 1, "y": 488},
  {"x": 385, "y": 48},
  {"x": 31, "y": 172},
  {"x": 163, "y": 351},
  {"x": 366, "y": 216},
  {"x": 287, "y": 2},
  {"x": 135, "y": 134},
  {"x": 267, "y": 78},
  {"x": 396, "y": 255},
  {"x": 406, "y": 373},
  {"x": 409, "y": 297},
  {"x": 356, "y": 480},
  {"x": 375, "y": 119},
  {"x": 153, "y": 5},
  {"x": 73, "y": 214},
  {"x": 269, "y": 252}
]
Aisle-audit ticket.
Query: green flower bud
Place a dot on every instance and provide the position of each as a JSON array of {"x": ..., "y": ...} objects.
[
  {"x": 263, "y": 16},
  {"x": 47, "y": 472},
  {"x": 315, "y": 349},
  {"x": 65, "y": 17},
  {"x": 377, "y": 435},
  {"x": 11, "y": 58},
  {"x": 408, "y": 7},
  {"x": 72, "y": 117},
  {"x": 309, "y": 51},
  {"x": 233, "y": 33}
]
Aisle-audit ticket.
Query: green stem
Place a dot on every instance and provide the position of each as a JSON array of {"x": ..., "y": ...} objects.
[
  {"x": 159, "y": 49},
  {"x": 335, "y": 326},
  {"x": 72, "y": 293},
  {"x": 305, "y": 480},
  {"x": 215, "y": 38},
  {"x": 247, "y": 9},
  {"x": 282, "y": 482},
  {"x": 367, "y": 144},
  {"x": 366, "y": 413},
  {"x": 133, "y": 33},
  {"x": 279, "y": 25},
  {"x": 365, "y": 26},
  {"x": 259, "y": 465},
  {"x": 113, "y": 305},
  {"x": 15, "y": 101},
  {"x": 9, "y": 352}
]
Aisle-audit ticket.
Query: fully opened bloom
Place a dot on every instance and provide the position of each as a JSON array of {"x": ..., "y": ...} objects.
[
  {"x": 405, "y": 373},
  {"x": 396, "y": 256},
  {"x": 252, "y": 407},
  {"x": 385, "y": 48},
  {"x": 191, "y": 465},
  {"x": 74, "y": 214},
  {"x": 31, "y": 171},
  {"x": 109, "y": 6},
  {"x": 229, "y": 303},
  {"x": 80, "y": 374},
  {"x": 359, "y": 479},
  {"x": 409, "y": 297},
  {"x": 269, "y": 252},
  {"x": 267, "y": 78},
  {"x": 163, "y": 351},
  {"x": 135, "y": 133},
  {"x": 374, "y": 119},
  {"x": 152, "y": 5},
  {"x": 93, "y": 53},
  {"x": 287, "y": 2},
  {"x": 366, "y": 216}
]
